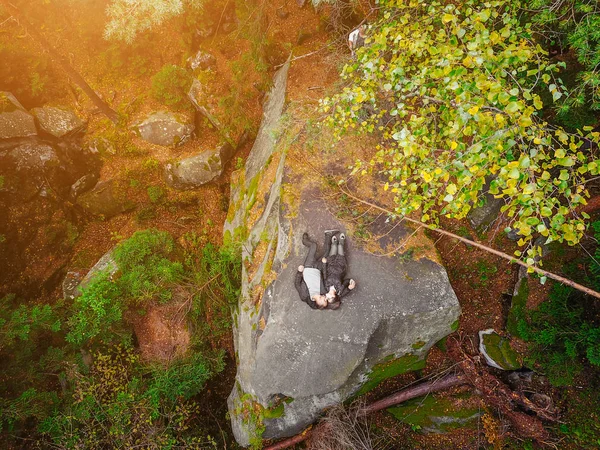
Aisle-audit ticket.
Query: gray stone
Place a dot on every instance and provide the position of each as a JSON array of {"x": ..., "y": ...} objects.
[
  {"x": 481, "y": 217},
  {"x": 106, "y": 264},
  {"x": 195, "y": 171},
  {"x": 83, "y": 184},
  {"x": 107, "y": 199},
  {"x": 33, "y": 157},
  {"x": 314, "y": 358},
  {"x": 166, "y": 129},
  {"x": 101, "y": 146},
  {"x": 57, "y": 121},
  {"x": 70, "y": 284},
  {"x": 202, "y": 60},
  {"x": 15, "y": 121},
  {"x": 497, "y": 351}
]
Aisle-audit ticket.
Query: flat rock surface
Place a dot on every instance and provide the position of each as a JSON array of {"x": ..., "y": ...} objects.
[
  {"x": 305, "y": 352},
  {"x": 195, "y": 171},
  {"x": 57, "y": 121},
  {"x": 166, "y": 129}
]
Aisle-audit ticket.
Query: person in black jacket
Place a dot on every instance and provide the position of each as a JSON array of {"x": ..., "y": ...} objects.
[
  {"x": 309, "y": 278},
  {"x": 335, "y": 271}
]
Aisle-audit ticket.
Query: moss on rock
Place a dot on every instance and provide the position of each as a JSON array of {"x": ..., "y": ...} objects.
[
  {"x": 434, "y": 414},
  {"x": 391, "y": 368}
]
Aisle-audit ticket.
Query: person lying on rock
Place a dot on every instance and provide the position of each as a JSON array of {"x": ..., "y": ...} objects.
[
  {"x": 335, "y": 267},
  {"x": 309, "y": 278}
]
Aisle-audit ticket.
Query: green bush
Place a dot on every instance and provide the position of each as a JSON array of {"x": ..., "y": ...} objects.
[
  {"x": 171, "y": 85},
  {"x": 17, "y": 323},
  {"x": 96, "y": 311},
  {"x": 118, "y": 404},
  {"x": 561, "y": 335},
  {"x": 146, "y": 271}
]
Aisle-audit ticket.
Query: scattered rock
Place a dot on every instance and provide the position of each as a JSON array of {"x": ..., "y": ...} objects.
[
  {"x": 497, "y": 351},
  {"x": 481, "y": 217},
  {"x": 85, "y": 183},
  {"x": 33, "y": 157},
  {"x": 301, "y": 3},
  {"x": 202, "y": 60},
  {"x": 57, "y": 121},
  {"x": 15, "y": 121},
  {"x": 70, "y": 284},
  {"x": 101, "y": 146},
  {"x": 107, "y": 199},
  {"x": 106, "y": 264},
  {"x": 166, "y": 129},
  {"x": 193, "y": 172}
]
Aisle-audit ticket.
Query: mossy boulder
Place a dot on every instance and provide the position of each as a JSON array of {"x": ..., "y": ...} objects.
[
  {"x": 166, "y": 128},
  {"x": 497, "y": 351},
  {"x": 435, "y": 414},
  {"x": 195, "y": 171},
  {"x": 314, "y": 358}
]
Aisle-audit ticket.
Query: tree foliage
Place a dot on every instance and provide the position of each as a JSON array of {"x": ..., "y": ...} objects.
[
  {"x": 573, "y": 24},
  {"x": 128, "y": 18},
  {"x": 452, "y": 91}
]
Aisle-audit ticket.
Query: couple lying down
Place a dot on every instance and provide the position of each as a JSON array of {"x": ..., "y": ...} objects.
[{"x": 321, "y": 283}]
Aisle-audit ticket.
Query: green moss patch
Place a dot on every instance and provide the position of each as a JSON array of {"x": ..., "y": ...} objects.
[
  {"x": 388, "y": 369},
  {"x": 434, "y": 414},
  {"x": 417, "y": 345},
  {"x": 518, "y": 308},
  {"x": 454, "y": 325},
  {"x": 499, "y": 350}
]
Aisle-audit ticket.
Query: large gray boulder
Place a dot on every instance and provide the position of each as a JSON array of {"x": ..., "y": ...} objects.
[
  {"x": 107, "y": 199},
  {"x": 166, "y": 128},
  {"x": 195, "y": 171},
  {"x": 293, "y": 361},
  {"x": 15, "y": 121},
  {"x": 57, "y": 121}
]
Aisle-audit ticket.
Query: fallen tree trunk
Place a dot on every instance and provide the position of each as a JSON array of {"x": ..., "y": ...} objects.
[{"x": 406, "y": 394}]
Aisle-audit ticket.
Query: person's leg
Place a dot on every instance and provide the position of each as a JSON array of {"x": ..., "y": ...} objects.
[
  {"x": 310, "y": 258},
  {"x": 327, "y": 243},
  {"x": 341, "y": 244},
  {"x": 334, "y": 246}
]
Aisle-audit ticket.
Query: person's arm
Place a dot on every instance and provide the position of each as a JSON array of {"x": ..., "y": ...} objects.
[
  {"x": 302, "y": 289},
  {"x": 347, "y": 286}
]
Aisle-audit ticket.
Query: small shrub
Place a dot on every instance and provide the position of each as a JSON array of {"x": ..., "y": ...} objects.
[
  {"x": 155, "y": 193},
  {"x": 146, "y": 271},
  {"x": 561, "y": 335},
  {"x": 97, "y": 309},
  {"x": 171, "y": 85}
]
